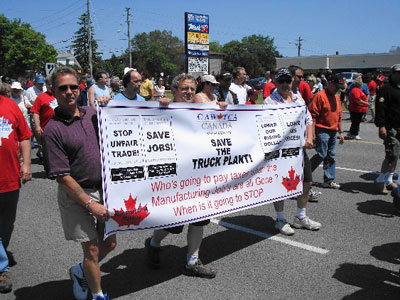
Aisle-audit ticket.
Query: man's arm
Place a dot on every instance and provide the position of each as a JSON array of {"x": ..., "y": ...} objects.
[
  {"x": 76, "y": 192},
  {"x": 36, "y": 120},
  {"x": 91, "y": 97},
  {"x": 26, "y": 172},
  {"x": 309, "y": 137}
]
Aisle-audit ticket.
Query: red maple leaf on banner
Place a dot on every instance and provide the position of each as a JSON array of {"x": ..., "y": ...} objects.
[
  {"x": 220, "y": 116},
  {"x": 291, "y": 182},
  {"x": 130, "y": 216}
]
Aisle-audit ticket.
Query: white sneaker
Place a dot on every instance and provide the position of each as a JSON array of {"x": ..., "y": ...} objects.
[
  {"x": 314, "y": 196},
  {"x": 332, "y": 185},
  {"x": 80, "y": 287},
  {"x": 306, "y": 223},
  {"x": 283, "y": 227},
  {"x": 357, "y": 137}
]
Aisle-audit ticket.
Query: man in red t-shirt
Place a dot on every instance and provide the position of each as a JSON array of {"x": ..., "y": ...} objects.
[
  {"x": 269, "y": 86},
  {"x": 43, "y": 111},
  {"x": 14, "y": 135},
  {"x": 304, "y": 88},
  {"x": 372, "y": 86}
]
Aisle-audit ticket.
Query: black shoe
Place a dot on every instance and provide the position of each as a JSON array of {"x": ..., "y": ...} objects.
[
  {"x": 5, "y": 282},
  {"x": 199, "y": 270},
  {"x": 153, "y": 255},
  {"x": 11, "y": 259}
]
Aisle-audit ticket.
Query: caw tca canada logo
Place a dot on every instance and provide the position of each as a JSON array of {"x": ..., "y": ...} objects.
[{"x": 217, "y": 117}]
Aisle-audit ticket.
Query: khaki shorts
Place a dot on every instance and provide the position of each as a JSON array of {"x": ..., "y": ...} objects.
[
  {"x": 78, "y": 223},
  {"x": 392, "y": 143}
]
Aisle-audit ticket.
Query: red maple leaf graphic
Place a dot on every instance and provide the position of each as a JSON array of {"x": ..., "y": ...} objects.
[
  {"x": 291, "y": 182},
  {"x": 130, "y": 216},
  {"x": 220, "y": 116}
]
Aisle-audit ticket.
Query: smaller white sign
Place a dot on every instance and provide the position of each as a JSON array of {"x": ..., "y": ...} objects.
[{"x": 49, "y": 68}]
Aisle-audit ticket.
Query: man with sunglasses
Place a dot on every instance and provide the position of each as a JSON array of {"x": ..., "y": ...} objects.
[
  {"x": 223, "y": 93},
  {"x": 287, "y": 93},
  {"x": 326, "y": 111},
  {"x": 72, "y": 157}
]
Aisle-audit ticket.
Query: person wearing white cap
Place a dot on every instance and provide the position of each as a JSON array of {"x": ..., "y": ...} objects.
[
  {"x": 208, "y": 85},
  {"x": 21, "y": 100}
]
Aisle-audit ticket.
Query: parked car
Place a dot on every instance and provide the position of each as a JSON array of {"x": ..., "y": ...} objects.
[
  {"x": 350, "y": 76},
  {"x": 257, "y": 83}
]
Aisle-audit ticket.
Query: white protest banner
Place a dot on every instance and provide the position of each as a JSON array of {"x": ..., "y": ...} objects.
[{"x": 190, "y": 162}]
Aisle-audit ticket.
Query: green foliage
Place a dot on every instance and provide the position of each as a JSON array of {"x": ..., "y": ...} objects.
[
  {"x": 22, "y": 48},
  {"x": 256, "y": 53},
  {"x": 114, "y": 65},
  {"x": 156, "y": 52},
  {"x": 80, "y": 45},
  {"x": 215, "y": 47}
]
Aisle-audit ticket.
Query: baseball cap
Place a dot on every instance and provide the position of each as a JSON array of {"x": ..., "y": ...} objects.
[
  {"x": 283, "y": 72},
  {"x": 338, "y": 81},
  {"x": 395, "y": 68},
  {"x": 39, "y": 79},
  {"x": 209, "y": 78},
  {"x": 16, "y": 85}
]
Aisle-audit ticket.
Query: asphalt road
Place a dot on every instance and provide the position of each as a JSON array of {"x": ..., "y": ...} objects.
[{"x": 355, "y": 255}]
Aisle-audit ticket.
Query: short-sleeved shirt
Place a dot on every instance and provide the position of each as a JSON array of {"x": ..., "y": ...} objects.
[
  {"x": 146, "y": 87},
  {"x": 121, "y": 96},
  {"x": 32, "y": 94},
  {"x": 240, "y": 91},
  {"x": 372, "y": 87},
  {"x": 44, "y": 106},
  {"x": 13, "y": 129},
  {"x": 71, "y": 147},
  {"x": 98, "y": 92},
  {"x": 305, "y": 91},
  {"x": 268, "y": 89},
  {"x": 275, "y": 98}
]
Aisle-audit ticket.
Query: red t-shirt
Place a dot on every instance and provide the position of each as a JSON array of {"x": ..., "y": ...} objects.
[
  {"x": 305, "y": 91},
  {"x": 268, "y": 87},
  {"x": 13, "y": 129},
  {"x": 372, "y": 87},
  {"x": 44, "y": 106},
  {"x": 355, "y": 95},
  {"x": 82, "y": 86}
]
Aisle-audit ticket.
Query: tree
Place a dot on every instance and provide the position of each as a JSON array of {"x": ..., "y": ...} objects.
[
  {"x": 80, "y": 45},
  {"x": 156, "y": 52},
  {"x": 256, "y": 53},
  {"x": 22, "y": 48},
  {"x": 215, "y": 47},
  {"x": 114, "y": 66}
]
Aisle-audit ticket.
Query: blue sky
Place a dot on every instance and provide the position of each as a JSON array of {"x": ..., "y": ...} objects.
[{"x": 347, "y": 26}]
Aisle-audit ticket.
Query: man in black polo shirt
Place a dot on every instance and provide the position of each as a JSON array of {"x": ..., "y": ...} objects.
[
  {"x": 72, "y": 157},
  {"x": 387, "y": 106}
]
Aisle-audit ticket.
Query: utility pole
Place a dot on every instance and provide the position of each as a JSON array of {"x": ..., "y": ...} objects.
[
  {"x": 89, "y": 39},
  {"x": 129, "y": 37},
  {"x": 299, "y": 45}
]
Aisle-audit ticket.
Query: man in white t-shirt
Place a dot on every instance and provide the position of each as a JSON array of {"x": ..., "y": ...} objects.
[
  {"x": 239, "y": 76},
  {"x": 35, "y": 90}
]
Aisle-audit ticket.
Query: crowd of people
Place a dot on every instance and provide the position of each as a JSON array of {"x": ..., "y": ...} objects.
[{"x": 60, "y": 110}]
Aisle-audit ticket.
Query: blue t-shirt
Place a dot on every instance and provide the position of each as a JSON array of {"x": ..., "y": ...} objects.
[
  {"x": 364, "y": 88},
  {"x": 121, "y": 96}
]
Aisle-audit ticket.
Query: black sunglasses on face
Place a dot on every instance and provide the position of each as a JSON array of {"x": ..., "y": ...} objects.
[
  {"x": 300, "y": 76},
  {"x": 64, "y": 88},
  {"x": 281, "y": 81}
]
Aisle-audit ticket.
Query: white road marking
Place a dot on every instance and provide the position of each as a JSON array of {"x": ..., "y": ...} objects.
[
  {"x": 355, "y": 170},
  {"x": 270, "y": 236}
]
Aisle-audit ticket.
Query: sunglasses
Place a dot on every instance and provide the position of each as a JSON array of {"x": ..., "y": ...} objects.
[
  {"x": 282, "y": 81},
  {"x": 64, "y": 88},
  {"x": 300, "y": 76}
]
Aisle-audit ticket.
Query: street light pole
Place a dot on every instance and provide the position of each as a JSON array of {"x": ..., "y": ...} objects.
[
  {"x": 129, "y": 37},
  {"x": 89, "y": 39}
]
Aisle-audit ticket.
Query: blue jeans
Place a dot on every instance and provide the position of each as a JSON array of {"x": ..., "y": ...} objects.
[
  {"x": 8, "y": 212},
  {"x": 326, "y": 152}
]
